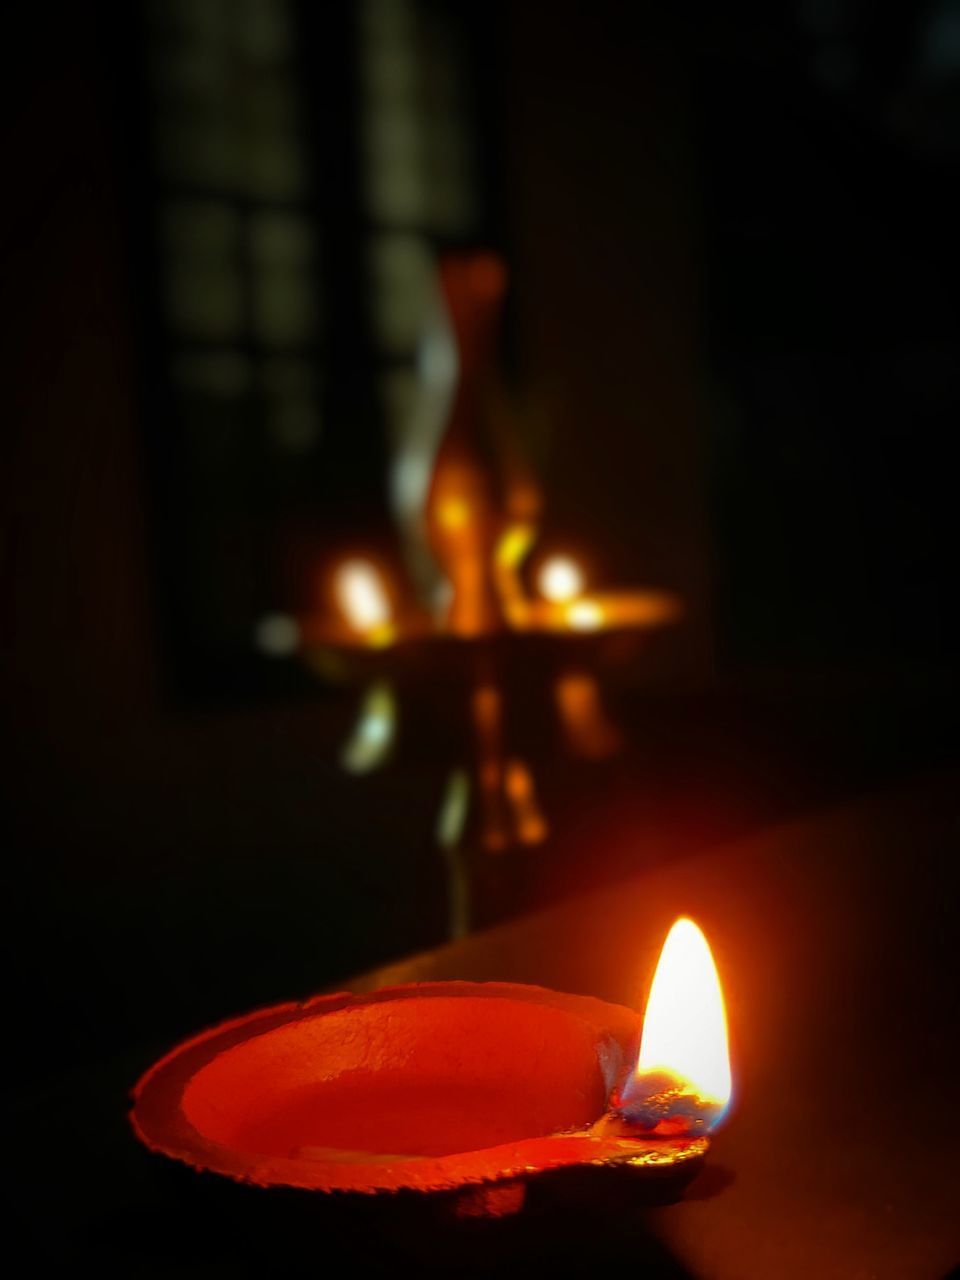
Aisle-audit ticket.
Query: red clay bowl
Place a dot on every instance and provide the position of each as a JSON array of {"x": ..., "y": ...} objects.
[{"x": 425, "y": 1088}]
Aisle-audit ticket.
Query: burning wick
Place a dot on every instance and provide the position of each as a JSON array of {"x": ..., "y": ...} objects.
[{"x": 681, "y": 1084}]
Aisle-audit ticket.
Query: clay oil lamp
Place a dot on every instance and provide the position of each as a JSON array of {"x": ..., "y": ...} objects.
[{"x": 475, "y": 1096}]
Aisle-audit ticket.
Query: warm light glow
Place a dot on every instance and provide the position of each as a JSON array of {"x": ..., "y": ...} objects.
[
  {"x": 560, "y": 579},
  {"x": 585, "y": 615},
  {"x": 685, "y": 1024},
  {"x": 360, "y": 592}
]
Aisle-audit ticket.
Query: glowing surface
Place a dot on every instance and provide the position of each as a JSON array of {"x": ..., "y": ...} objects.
[
  {"x": 361, "y": 595},
  {"x": 560, "y": 579},
  {"x": 685, "y": 1024}
]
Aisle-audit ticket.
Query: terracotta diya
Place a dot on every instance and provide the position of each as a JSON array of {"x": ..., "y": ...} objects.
[{"x": 475, "y": 1091}]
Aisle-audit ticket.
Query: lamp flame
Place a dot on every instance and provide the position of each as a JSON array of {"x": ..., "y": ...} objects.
[
  {"x": 585, "y": 615},
  {"x": 362, "y": 597},
  {"x": 682, "y": 1081},
  {"x": 560, "y": 579}
]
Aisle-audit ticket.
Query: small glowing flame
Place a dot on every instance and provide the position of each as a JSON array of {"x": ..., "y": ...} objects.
[
  {"x": 560, "y": 579},
  {"x": 682, "y": 1080},
  {"x": 585, "y": 615},
  {"x": 361, "y": 595}
]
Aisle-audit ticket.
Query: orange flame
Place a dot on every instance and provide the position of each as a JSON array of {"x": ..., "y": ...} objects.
[{"x": 682, "y": 1080}]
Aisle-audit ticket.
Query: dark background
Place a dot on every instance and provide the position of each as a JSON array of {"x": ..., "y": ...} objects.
[{"x": 733, "y": 319}]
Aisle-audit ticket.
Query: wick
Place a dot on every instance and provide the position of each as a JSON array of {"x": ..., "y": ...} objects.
[{"x": 668, "y": 1108}]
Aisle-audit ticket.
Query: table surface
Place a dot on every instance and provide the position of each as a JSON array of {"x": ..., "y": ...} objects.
[{"x": 836, "y": 940}]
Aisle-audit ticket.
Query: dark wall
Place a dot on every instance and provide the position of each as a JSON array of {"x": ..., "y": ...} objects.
[
  {"x": 828, "y": 144},
  {"x": 601, "y": 173}
]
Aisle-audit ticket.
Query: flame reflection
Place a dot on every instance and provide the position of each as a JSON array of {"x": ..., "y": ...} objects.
[
  {"x": 585, "y": 615},
  {"x": 371, "y": 742}
]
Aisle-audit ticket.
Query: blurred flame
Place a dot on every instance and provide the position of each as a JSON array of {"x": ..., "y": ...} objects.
[
  {"x": 585, "y": 615},
  {"x": 560, "y": 579},
  {"x": 361, "y": 595},
  {"x": 685, "y": 1025}
]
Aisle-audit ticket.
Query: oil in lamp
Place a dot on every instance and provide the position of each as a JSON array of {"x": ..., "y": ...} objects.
[{"x": 473, "y": 1093}]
